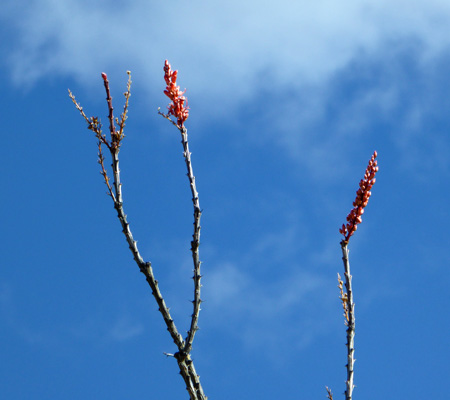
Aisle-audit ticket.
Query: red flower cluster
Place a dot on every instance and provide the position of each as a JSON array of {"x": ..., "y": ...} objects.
[
  {"x": 178, "y": 108},
  {"x": 362, "y": 198}
]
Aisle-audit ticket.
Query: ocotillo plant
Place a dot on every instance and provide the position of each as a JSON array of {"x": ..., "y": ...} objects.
[
  {"x": 179, "y": 109},
  {"x": 353, "y": 219}
]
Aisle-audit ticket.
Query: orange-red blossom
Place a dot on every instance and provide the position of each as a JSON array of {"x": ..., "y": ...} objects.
[
  {"x": 178, "y": 108},
  {"x": 362, "y": 199}
]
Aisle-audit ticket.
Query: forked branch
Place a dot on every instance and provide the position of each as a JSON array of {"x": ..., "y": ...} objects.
[{"x": 180, "y": 110}]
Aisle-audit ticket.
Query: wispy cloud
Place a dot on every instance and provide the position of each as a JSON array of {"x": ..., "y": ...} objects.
[
  {"x": 92, "y": 328},
  {"x": 124, "y": 328},
  {"x": 265, "y": 299},
  {"x": 221, "y": 47},
  {"x": 100, "y": 327},
  {"x": 281, "y": 311},
  {"x": 14, "y": 321},
  {"x": 233, "y": 54}
]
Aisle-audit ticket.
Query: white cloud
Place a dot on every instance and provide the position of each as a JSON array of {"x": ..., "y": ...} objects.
[
  {"x": 227, "y": 53},
  {"x": 220, "y": 47}
]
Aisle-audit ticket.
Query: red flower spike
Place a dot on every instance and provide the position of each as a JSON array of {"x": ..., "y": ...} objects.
[
  {"x": 178, "y": 108},
  {"x": 362, "y": 199}
]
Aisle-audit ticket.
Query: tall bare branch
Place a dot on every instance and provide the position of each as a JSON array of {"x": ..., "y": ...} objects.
[
  {"x": 347, "y": 230},
  {"x": 184, "y": 360},
  {"x": 350, "y": 322},
  {"x": 179, "y": 109}
]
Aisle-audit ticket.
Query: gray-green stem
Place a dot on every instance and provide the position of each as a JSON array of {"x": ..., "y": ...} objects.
[
  {"x": 195, "y": 243},
  {"x": 350, "y": 323}
]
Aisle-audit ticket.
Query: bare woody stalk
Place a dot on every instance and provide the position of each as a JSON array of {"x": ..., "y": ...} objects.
[
  {"x": 350, "y": 322},
  {"x": 195, "y": 243},
  {"x": 353, "y": 219},
  {"x": 185, "y": 363},
  {"x": 179, "y": 109}
]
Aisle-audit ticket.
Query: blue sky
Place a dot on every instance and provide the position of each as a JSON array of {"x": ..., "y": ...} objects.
[{"x": 288, "y": 102}]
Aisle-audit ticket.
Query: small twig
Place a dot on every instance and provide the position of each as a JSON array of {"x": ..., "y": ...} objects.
[
  {"x": 167, "y": 116},
  {"x": 79, "y": 108},
  {"x": 330, "y": 395},
  {"x": 101, "y": 160},
  {"x": 124, "y": 117},
  {"x": 343, "y": 297},
  {"x": 115, "y": 137}
]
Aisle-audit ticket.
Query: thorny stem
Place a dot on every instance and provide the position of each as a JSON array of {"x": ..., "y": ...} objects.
[
  {"x": 343, "y": 297},
  {"x": 195, "y": 237},
  {"x": 124, "y": 117},
  {"x": 353, "y": 219},
  {"x": 101, "y": 161},
  {"x": 350, "y": 322},
  {"x": 179, "y": 109},
  {"x": 190, "y": 377},
  {"x": 112, "y": 127},
  {"x": 185, "y": 363},
  {"x": 195, "y": 243}
]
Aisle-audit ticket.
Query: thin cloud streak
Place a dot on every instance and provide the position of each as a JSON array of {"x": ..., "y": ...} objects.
[{"x": 124, "y": 329}]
